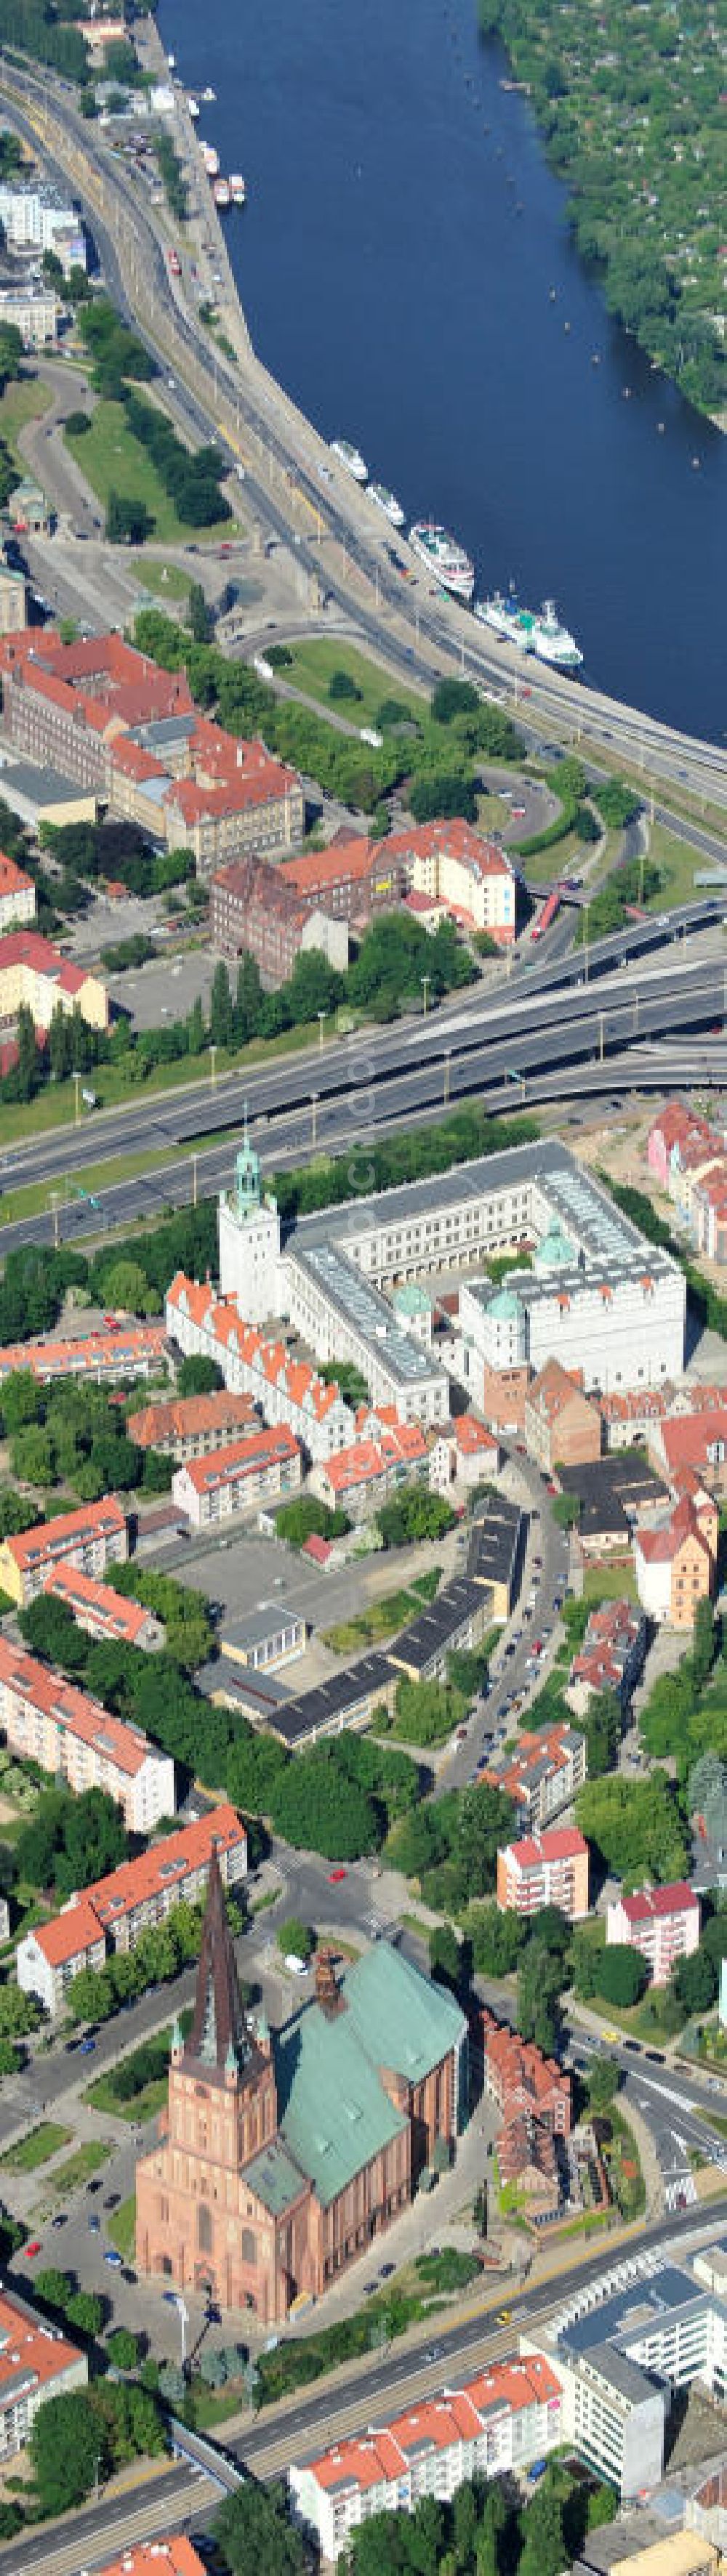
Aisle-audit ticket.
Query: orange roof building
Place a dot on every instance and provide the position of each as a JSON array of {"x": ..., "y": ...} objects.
[
  {"x": 545, "y": 1869},
  {"x": 17, "y": 895},
  {"x": 36, "y": 2361},
  {"x": 675, "y": 1560},
  {"x": 90, "y": 1538},
  {"x": 263, "y": 1467},
  {"x": 282, "y": 1390},
  {"x": 189, "y": 1426},
  {"x": 131, "y": 1350},
  {"x": 104, "y": 1613},
  {"x": 501, "y": 2421},
  {"x": 74, "y": 1737},
  {"x": 357, "y": 1479},
  {"x": 175, "y": 2556},
  {"x": 113, "y": 1912}
]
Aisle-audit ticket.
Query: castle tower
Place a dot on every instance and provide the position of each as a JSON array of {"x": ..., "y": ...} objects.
[
  {"x": 192, "y": 2192},
  {"x": 248, "y": 1227}
]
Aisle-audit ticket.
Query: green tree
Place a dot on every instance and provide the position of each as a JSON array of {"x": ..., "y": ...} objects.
[
  {"x": 296, "y": 1937},
  {"x": 695, "y": 1982},
  {"x": 538, "y": 1990},
  {"x": 604, "y": 2077},
  {"x": 85, "y": 2312},
  {"x": 703, "y": 1642},
  {"x": 254, "y": 2530},
  {"x": 635, "y": 1825},
  {"x": 221, "y": 1014},
  {"x": 542, "y": 2553},
  {"x": 66, "y": 2448},
  {"x": 123, "y": 2348},
  {"x": 126, "y": 1285},
  {"x": 26, "y": 1074},
  {"x": 622, "y": 1974},
  {"x": 197, "y": 1375}
]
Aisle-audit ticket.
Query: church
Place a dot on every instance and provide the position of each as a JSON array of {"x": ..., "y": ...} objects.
[{"x": 280, "y": 2158}]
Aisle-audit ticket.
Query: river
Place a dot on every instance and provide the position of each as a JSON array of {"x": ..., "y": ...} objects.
[{"x": 406, "y": 271}]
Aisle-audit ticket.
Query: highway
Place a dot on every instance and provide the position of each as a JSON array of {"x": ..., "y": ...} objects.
[
  {"x": 290, "y": 475},
  {"x": 504, "y": 1051}
]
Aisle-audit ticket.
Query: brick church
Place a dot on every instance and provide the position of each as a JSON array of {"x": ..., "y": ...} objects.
[{"x": 279, "y": 2159}]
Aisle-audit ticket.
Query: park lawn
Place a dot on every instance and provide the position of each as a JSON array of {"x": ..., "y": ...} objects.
[
  {"x": 382, "y": 1619},
  {"x": 112, "y": 460},
  {"x": 493, "y": 814},
  {"x": 26, "y": 400},
  {"x": 609, "y": 1583},
  {"x": 311, "y": 667},
  {"x": 678, "y": 865},
  {"x": 141, "y": 2106},
  {"x": 41, "y": 2143},
  {"x": 122, "y": 2228},
  {"x": 78, "y": 2167},
  {"x": 54, "y": 1106},
  {"x": 166, "y": 580},
  {"x": 544, "y": 867}
]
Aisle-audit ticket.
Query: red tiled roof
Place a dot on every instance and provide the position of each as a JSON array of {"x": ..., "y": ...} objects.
[
  {"x": 48, "y": 1538},
  {"x": 221, "y": 1466},
  {"x": 556, "y": 1843},
  {"x": 678, "y": 1898}
]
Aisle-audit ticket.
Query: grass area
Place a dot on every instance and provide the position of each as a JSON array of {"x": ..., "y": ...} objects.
[
  {"x": 609, "y": 1583},
  {"x": 384, "y": 1617},
  {"x": 21, "y": 402},
  {"x": 142, "y": 2106},
  {"x": 166, "y": 580},
  {"x": 122, "y": 2228},
  {"x": 54, "y": 1106},
  {"x": 85, "y": 2161},
  {"x": 41, "y": 2143},
  {"x": 111, "y": 460},
  {"x": 562, "y": 857},
  {"x": 678, "y": 864},
  {"x": 493, "y": 815},
  {"x": 624, "y": 2168},
  {"x": 312, "y": 664},
  {"x": 35, "y": 1197}
]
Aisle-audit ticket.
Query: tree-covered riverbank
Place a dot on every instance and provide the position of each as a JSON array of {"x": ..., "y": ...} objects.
[{"x": 631, "y": 105}]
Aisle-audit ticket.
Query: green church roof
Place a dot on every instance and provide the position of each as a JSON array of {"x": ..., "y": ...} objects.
[
  {"x": 274, "y": 2177},
  {"x": 554, "y": 1252},
  {"x": 332, "y": 2106},
  {"x": 505, "y": 1306}
]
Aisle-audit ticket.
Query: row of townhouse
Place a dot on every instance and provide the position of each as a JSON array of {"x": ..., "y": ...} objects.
[
  {"x": 89, "y": 1539},
  {"x": 503, "y": 2420},
  {"x": 189, "y": 1426},
  {"x": 284, "y": 1390},
  {"x": 688, "y": 1156},
  {"x": 263, "y": 1468},
  {"x": 611, "y": 1657},
  {"x": 129, "y": 1351},
  {"x": 113, "y": 1913},
  {"x": 118, "y": 726},
  {"x": 47, "y": 1720},
  {"x": 104, "y": 1613}
]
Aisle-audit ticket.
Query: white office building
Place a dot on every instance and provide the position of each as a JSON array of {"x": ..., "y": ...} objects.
[
  {"x": 36, "y": 218},
  {"x": 633, "y": 2338}
]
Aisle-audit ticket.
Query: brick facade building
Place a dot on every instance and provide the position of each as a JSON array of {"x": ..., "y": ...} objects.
[{"x": 279, "y": 2161}]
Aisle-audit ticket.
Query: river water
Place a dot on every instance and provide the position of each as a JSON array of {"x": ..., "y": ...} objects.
[{"x": 406, "y": 271}]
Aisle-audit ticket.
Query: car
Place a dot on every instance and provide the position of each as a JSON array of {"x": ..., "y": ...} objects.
[
  {"x": 386, "y": 2271},
  {"x": 225, "y": 550},
  {"x": 128, "y": 2275},
  {"x": 60, "y": 2219},
  {"x": 504, "y": 2317},
  {"x": 33, "y": 2249},
  {"x": 518, "y": 813},
  {"x": 93, "y": 2187},
  {"x": 170, "y": 2298},
  {"x": 335, "y": 1876},
  {"x": 94, "y": 2224},
  {"x": 88, "y": 2048},
  {"x": 112, "y": 2202},
  {"x": 111, "y": 2256}
]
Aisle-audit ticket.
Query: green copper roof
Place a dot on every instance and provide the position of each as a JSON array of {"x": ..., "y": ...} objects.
[
  {"x": 332, "y": 2108},
  {"x": 505, "y": 1306},
  {"x": 402, "y": 2019},
  {"x": 274, "y": 2178},
  {"x": 331, "y": 2102},
  {"x": 410, "y": 1299},
  {"x": 554, "y": 1252}
]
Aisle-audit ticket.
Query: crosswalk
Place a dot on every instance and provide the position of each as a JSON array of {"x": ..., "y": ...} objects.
[{"x": 680, "y": 2192}]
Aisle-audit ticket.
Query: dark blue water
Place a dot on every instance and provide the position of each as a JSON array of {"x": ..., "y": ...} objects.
[{"x": 397, "y": 260}]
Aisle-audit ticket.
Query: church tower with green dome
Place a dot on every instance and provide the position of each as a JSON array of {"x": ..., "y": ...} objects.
[{"x": 248, "y": 1228}]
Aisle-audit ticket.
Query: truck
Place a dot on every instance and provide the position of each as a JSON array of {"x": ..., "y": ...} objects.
[{"x": 174, "y": 263}]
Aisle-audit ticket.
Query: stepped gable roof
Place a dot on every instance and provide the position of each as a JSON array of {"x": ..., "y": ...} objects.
[{"x": 220, "y": 2042}]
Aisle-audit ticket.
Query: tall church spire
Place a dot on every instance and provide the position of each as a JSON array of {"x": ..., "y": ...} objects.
[{"x": 219, "y": 2037}]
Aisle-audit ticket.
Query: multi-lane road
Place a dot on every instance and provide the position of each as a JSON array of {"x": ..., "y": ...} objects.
[{"x": 613, "y": 1022}]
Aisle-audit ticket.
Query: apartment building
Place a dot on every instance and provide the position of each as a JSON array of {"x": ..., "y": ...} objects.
[
  {"x": 282, "y": 1389},
  {"x": 262, "y": 1468},
  {"x": 663, "y": 1923},
  {"x": 176, "y": 2556},
  {"x": 65, "y": 705},
  {"x": 112, "y": 1914},
  {"x": 350, "y": 879},
  {"x": 35, "y": 217},
  {"x": 37, "y": 2361},
  {"x": 464, "y": 1453},
  {"x": 17, "y": 896},
  {"x": 253, "y": 906},
  {"x": 549, "y": 1868},
  {"x": 499, "y": 2422},
  {"x": 611, "y": 1657},
  {"x": 561, "y": 1426},
  {"x": 543, "y": 1775},
  {"x": 75, "y": 1738},
  {"x": 640, "y": 2333},
  {"x": 675, "y": 1560},
  {"x": 34, "y": 974},
  {"x": 189, "y": 1426},
  {"x": 694, "y": 1444},
  {"x": 32, "y": 309},
  {"x": 131, "y": 1350},
  {"x": 233, "y": 799},
  {"x": 470, "y": 879},
  {"x": 89, "y": 1539},
  {"x": 358, "y": 1479},
  {"x": 104, "y": 1613}
]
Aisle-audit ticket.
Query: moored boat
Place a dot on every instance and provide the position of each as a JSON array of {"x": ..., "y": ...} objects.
[
  {"x": 349, "y": 456},
  {"x": 444, "y": 557},
  {"x": 387, "y": 502}
]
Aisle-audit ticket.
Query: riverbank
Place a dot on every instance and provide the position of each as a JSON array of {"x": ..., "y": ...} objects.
[{"x": 631, "y": 119}]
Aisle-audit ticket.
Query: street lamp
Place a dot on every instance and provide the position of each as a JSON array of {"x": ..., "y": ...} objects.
[
  {"x": 313, "y": 1129},
  {"x": 213, "y": 1053},
  {"x": 76, "y": 1078},
  {"x": 425, "y": 981},
  {"x": 447, "y": 1074},
  {"x": 321, "y": 1024}
]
